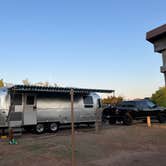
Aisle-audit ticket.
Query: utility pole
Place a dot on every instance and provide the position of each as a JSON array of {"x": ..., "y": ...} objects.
[{"x": 72, "y": 127}]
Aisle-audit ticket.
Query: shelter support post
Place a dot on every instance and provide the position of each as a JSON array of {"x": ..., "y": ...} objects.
[{"x": 72, "y": 127}]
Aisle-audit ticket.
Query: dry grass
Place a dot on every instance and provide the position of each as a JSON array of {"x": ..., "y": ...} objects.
[{"x": 114, "y": 145}]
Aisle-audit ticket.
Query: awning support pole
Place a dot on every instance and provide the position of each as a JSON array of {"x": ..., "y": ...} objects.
[{"x": 72, "y": 127}]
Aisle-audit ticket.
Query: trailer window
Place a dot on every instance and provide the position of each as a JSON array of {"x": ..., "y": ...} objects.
[
  {"x": 88, "y": 101},
  {"x": 99, "y": 103},
  {"x": 30, "y": 100},
  {"x": 17, "y": 99}
]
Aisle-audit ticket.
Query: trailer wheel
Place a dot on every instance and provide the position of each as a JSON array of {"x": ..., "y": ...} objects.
[
  {"x": 91, "y": 124},
  {"x": 54, "y": 127},
  {"x": 28, "y": 129},
  {"x": 40, "y": 128}
]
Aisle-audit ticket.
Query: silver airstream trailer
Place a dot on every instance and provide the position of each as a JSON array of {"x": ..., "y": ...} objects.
[{"x": 40, "y": 108}]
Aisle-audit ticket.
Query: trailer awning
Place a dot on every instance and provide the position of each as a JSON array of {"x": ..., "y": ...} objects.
[{"x": 37, "y": 89}]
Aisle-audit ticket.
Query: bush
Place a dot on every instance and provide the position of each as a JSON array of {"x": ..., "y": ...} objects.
[
  {"x": 1, "y": 83},
  {"x": 159, "y": 97},
  {"x": 112, "y": 100}
]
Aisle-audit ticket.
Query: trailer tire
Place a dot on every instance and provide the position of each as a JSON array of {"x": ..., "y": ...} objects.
[
  {"x": 28, "y": 129},
  {"x": 91, "y": 124},
  {"x": 54, "y": 127},
  {"x": 40, "y": 128}
]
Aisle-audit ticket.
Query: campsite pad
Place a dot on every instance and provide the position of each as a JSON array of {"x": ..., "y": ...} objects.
[{"x": 115, "y": 145}]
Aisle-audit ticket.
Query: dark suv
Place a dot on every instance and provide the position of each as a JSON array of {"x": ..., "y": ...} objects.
[{"x": 127, "y": 111}]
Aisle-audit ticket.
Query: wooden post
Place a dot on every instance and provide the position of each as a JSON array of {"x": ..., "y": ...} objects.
[
  {"x": 72, "y": 127},
  {"x": 149, "y": 121},
  {"x": 11, "y": 134},
  {"x": 3, "y": 132}
]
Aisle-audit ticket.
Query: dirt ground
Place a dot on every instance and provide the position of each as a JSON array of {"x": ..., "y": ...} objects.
[{"x": 117, "y": 145}]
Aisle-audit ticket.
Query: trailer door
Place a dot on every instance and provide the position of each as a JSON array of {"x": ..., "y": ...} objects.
[{"x": 29, "y": 110}]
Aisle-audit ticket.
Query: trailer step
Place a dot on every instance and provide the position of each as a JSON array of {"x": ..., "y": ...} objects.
[
  {"x": 17, "y": 134},
  {"x": 17, "y": 131}
]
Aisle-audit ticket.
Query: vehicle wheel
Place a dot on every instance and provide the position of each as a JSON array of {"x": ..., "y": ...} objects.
[
  {"x": 77, "y": 125},
  {"x": 162, "y": 118},
  {"x": 112, "y": 121},
  {"x": 104, "y": 119},
  {"x": 144, "y": 120},
  {"x": 127, "y": 120},
  {"x": 39, "y": 128},
  {"x": 54, "y": 127}
]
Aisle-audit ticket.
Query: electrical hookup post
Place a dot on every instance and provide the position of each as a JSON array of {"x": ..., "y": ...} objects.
[
  {"x": 72, "y": 128},
  {"x": 149, "y": 121}
]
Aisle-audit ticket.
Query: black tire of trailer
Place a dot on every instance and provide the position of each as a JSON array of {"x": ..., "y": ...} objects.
[
  {"x": 40, "y": 128},
  {"x": 28, "y": 129},
  {"x": 91, "y": 124},
  {"x": 54, "y": 127},
  {"x": 162, "y": 118},
  {"x": 127, "y": 119}
]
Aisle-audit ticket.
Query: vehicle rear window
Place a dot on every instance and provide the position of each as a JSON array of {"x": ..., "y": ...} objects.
[{"x": 127, "y": 104}]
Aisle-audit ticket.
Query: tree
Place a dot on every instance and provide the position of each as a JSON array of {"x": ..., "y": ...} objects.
[
  {"x": 1, "y": 83},
  {"x": 159, "y": 97},
  {"x": 46, "y": 83},
  {"x": 113, "y": 100},
  {"x": 26, "y": 82}
]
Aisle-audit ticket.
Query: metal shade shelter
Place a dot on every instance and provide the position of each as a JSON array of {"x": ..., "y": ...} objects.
[{"x": 38, "y": 89}]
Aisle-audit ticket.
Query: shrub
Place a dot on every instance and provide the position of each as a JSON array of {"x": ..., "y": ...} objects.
[{"x": 159, "y": 97}]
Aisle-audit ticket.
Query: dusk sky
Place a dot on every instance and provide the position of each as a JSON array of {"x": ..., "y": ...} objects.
[{"x": 82, "y": 43}]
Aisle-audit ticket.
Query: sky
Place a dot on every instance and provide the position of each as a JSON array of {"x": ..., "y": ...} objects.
[{"x": 82, "y": 43}]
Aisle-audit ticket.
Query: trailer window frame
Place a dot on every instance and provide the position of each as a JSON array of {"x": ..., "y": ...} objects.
[
  {"x": 17, "y": 99},
  {"x": 99, "y": 103},
  {"x": 88, "y": 101},
  {"x": 30, "y": 100}
]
